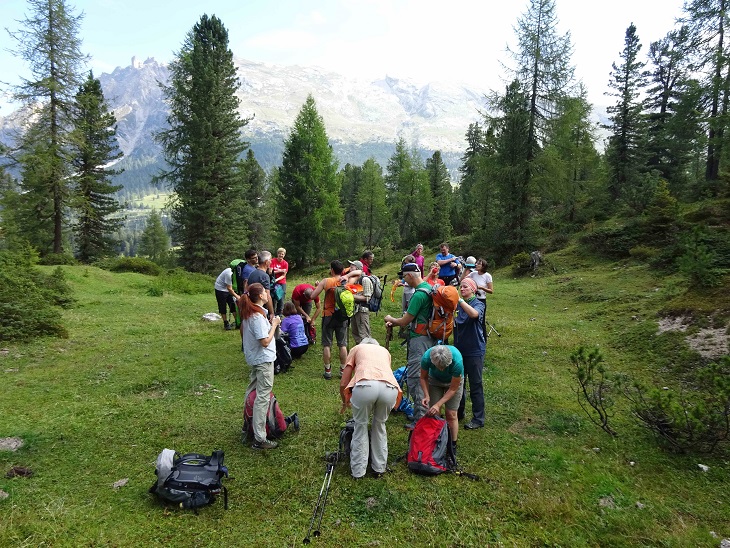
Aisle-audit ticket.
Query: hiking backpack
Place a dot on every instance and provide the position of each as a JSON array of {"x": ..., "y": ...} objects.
[
  {"x": 430, "y": 450},
  {"x": 346, "y": 438},
  {"x": 191, "y": 481},
  {"x": 377, "y": 297},
  {"x": 283, "y": 355},
  {"x": 441, "y": 324},
  {"x": 406, "y": 403},
  {"x": 276, "y": 422},
  {"x": 344, "y": 305},
  {"x": 237, "y": 268}
]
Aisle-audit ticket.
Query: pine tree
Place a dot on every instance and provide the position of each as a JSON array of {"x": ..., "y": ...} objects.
[
  {"x": 309, "y": 212},
  {"x": 202, "y": 147},
  {"x": 93, "y": 147},
  {"x": 154, "y": 242},
  {"x": 625, "y": 152},
  {"x": 439, "y": 182},
  {"x": 260, "y": 220},
  {"x": 350, "y": 180},
  {"x": 708, "y": 22},
  {"x": 371, "y": 205},
  {"x": 49, "y": 42}
]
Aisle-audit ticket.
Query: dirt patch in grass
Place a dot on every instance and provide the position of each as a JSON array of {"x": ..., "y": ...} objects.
[
  {"x": 10, "y": 444},
  {"x": 709, "y": 342}
]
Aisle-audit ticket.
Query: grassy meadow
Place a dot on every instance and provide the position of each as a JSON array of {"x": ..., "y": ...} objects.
[{"x": 141, "y": 372}]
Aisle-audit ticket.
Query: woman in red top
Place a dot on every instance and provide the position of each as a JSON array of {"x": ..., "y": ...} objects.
[{"x": 279, "y": 268}]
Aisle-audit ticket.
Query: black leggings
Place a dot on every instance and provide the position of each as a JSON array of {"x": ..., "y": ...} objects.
[{"x": 298, "y": 352}]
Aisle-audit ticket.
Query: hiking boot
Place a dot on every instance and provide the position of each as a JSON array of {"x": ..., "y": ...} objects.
[
  {"x": 328, "y": 374},
  {"x": 410, "y": 425},
  {"x": 341, "y": 371},
  {"x": 266, "y": 444},
  {"x": 227, "y": 325},
  {"x": 473, "y": 425},
  {"x": 294, "y": 419}
]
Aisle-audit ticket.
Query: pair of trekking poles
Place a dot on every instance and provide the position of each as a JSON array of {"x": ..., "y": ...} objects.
[{"x": 332, "y": 459}]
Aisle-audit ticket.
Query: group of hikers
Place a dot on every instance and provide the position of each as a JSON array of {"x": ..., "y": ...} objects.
[{"x": 253, "y": 292}]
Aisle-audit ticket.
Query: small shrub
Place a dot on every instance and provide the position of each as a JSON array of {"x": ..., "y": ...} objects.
[
  {"x": 187, "y": 283},
  {"x": 521, "y": 263},
  {"x": 694, "y": 420},
  {"x": 643, "y": 252},
  {"x": 57, "y": 288},
  {"x": 136, "y": 264},
  {"x": 155, "y": 291},
  {"x": 594, "y": 388},
  {"x": 53, "y": 259},
  {"x": 698, "y": 262}
]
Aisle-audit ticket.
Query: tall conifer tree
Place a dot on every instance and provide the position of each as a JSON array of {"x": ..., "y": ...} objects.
[
  {"x": 310, "y": 217},
  {"x": 202, "y": 147},
  {"x": 93, "y": 147},
  {"x": 49, "y": 42},
  {"x": 154, "y": 242},
  {"x": 371, "y": 205}
]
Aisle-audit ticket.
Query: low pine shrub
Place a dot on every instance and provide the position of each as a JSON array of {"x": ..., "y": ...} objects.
[{"x": 135, "y": 264}]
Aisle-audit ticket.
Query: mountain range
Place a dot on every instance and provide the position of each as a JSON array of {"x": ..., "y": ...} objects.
[{"x": 362, "y": 118}]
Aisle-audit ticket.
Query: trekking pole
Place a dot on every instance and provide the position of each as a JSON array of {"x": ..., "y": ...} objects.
[
  {"x": 492, "y": 328},
  {"x": 330, "y": 472},
  {"x": 388, "y": 336},
  {"x": 316, "y": 508}
]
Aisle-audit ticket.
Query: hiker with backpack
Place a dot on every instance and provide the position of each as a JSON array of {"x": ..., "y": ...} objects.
[
  {"x": 332, "y": 324},
  {"x": 361, "y": 319},
  {"x": 368, "y": 386},
  {"x": 226, "y": 296},
  {"x": 259, "y": 348},
  {"x": 418, "y": 312},
  {"x": 469, "y": 338},
  {"x": 442, "y": 382}
]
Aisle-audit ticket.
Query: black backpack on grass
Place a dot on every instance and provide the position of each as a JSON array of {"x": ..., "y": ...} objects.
[{"x": 191, "y": 481}]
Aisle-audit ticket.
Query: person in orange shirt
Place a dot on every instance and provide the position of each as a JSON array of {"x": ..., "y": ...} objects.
[
  {"x": 328, "y": 326},
  {"x": 368, "y": 386}
]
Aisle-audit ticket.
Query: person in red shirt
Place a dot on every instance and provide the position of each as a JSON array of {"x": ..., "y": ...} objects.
[
  {"x": 367, "y": 260},
  {"x": 279, "y": 268},
  {"x": 302, "y": 299}
]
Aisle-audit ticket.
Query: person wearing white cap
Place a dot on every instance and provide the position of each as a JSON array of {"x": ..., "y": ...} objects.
[{"x": 483, "y": 280}]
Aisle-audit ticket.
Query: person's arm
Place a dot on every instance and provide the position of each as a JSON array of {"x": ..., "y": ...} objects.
[
  {"x": 319, "y": 288},
  {"x": 424, "y": 388},
  {"x": 351, "y": 277},
  {"x": 489, "y": 289},
  {"x": 443, "y": 262},
  {"x": 453, "y": 388},
  {"x": 345, "y": 394},
  {"x": 274, "y": 324},
  {"x": 470, "y": 310},
  {"x": 403, "y": 321},
  {"x": 300, "y": 310},
  {"x": 230, "y": 290},
  {"x": 317, "y": 309},
  {"x": 367, "y": 291},
  {"x": 270, "y": 304}
]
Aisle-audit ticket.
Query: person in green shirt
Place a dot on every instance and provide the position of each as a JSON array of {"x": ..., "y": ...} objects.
[
  {"x": 418, "y": 312},
  {"x": 442, "y": 382}
]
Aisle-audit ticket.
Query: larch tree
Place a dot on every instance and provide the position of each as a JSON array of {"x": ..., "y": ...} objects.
[
  {"x": 93, "y": 148},
  {"x": 310, "y": 218},
  {"x": 49, "y": 43},
  {"x": 202, "y": 147}
]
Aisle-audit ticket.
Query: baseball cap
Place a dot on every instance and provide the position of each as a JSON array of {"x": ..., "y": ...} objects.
[
  {"x": 471, "y": 261},
  {"x": 409, "y": 267},
  {"x": 356, "y": 264}
]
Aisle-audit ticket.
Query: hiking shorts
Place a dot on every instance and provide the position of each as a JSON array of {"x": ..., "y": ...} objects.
[
  {"x": 436, "y": 391},
  {"x": 340, "y": 333}
]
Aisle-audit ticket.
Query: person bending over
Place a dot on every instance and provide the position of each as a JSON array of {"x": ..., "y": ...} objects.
[{"x": 442, "y": 382}]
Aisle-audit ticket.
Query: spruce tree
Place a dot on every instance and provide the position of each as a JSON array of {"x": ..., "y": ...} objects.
[
  {"x": 439, "y": 182},
  {"x": 259, "y": 222},
  {"x": 154, "y": 242},
  {"x": 373, "y": 223},
  {"x": 309, "y": 214},
  {"x": 49, "y": 42},
  {"x": 202, "y": 148},
  {"x": 93, "y": 147},
  {"x": 625, "y": 151}
]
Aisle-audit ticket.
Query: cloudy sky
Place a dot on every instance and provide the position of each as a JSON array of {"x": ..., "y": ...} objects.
[{"x": 459, "y": 40}]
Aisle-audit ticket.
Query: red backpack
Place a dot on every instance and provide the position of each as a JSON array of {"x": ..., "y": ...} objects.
[
  {"x": 276, "y": 422},
  {"x": 441, "y": 324},
  {"x": 430, "y": 450}
]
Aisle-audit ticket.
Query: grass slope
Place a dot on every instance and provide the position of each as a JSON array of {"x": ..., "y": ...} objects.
[{"x": 140, "y": 373}]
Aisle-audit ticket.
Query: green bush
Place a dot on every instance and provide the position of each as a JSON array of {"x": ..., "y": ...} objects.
[
  {"x": 27, "y": 299},
  {"x": 134, "y": 264},
  {"x": 57, "y": 288},
  {"x": 643, "y": 252},
  {"x": 521, "y": 263},
  {"x": 53, "y": 259},
  {"x": 181, "y": 281}
]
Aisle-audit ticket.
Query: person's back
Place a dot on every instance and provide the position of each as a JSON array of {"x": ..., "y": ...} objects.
[{"x": 294, "y": 327}]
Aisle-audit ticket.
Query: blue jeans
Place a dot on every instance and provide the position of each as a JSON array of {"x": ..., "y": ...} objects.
[{"x": 473, "y": 367}]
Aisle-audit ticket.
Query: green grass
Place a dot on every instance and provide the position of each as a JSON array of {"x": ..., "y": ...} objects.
[{"x": 140, "y": 372}]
